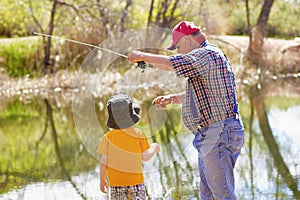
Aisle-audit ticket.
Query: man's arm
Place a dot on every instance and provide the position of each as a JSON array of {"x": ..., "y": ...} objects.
[
  {"x": 163, "y": 101},
  {"x": 159, "y": 61},
  {"x": 177, "y": 98}
]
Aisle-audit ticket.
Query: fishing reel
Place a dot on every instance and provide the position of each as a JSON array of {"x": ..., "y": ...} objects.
[{"x": 142, "y": 65}]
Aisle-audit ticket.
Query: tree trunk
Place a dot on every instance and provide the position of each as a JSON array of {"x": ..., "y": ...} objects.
[
  {"x": 259, "y": 33},
  {"x": 149, "y": 23},
  {"x": 48, "y": 66},
  {"x": 163, "y": 15}
]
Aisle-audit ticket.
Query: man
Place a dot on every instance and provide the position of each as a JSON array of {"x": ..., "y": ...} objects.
[{"x": 209, "y": 107}]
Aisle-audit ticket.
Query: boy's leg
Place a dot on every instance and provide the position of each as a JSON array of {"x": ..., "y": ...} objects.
[
  {"x": 118, "y": 193},
  {"x": 137, "y": 192}
]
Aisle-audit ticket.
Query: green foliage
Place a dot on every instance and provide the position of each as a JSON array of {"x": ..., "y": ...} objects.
[
  {"x": 284, "y": 19},
  {"x": 20, "y": 56},
  {"x": 229, "y": 17},
  {"x": 12, "y": 19},
  {"x": 16, "y": 16},
  {"x": 94, "y": 22},
  {"x": 282, "y": 103},
  {"x": 218, "y": 16},
  {"x": 16, "y": 108}
]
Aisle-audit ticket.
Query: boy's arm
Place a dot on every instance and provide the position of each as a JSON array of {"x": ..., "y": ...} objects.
[
  {"x": 103, "y": 181},
  {"x": 154, "y": 148}
]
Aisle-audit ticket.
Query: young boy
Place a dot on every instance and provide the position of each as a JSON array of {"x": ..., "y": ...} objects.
[{"x": 123, "y": 149}]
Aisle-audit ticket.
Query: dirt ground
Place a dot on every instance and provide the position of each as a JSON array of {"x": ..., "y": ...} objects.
[{"x": 283, "y": 54}]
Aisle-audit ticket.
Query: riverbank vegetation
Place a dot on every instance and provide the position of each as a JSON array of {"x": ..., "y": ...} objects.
[{"x": 95, "y": 21}]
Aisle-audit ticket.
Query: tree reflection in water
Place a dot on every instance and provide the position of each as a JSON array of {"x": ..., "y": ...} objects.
[
  {"x": 177, "y": 176},
  {"x": 257, "y": 101}
]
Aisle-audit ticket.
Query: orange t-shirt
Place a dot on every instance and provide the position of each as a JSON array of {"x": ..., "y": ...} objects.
[{"x": 124, "y": 148}]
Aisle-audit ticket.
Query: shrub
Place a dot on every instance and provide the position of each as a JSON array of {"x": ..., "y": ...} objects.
[{"x": 20, "y": 56}]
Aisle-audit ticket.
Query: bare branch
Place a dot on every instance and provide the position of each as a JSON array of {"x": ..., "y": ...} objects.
[
  {"x": 75, "y": 8},
  {"x": 34, "y": 17},
  {"x": 125, "y": 14},
  {"x": 248, "y": 20}
]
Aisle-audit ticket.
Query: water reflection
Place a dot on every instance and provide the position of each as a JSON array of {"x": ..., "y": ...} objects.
[
  {"x": 42, "y": 157},
  {"x": 32, "y": 150},
  {"x": 258, "y": 102}
]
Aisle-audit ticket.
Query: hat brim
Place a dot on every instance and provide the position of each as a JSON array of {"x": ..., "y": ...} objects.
[
  {"x": 172, "y": 46},
  {"x": 176, "y": 36},
  {"x": 121, "y": 121}
]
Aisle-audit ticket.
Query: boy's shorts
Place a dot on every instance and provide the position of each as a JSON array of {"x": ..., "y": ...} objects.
[{"x": 135, "y": 192}]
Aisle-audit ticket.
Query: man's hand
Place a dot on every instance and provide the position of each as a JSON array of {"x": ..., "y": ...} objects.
[
  {"x": 159, "y": 61},
  {"x": 161, "y": 102},
  {"x": 135, "y": 56}
]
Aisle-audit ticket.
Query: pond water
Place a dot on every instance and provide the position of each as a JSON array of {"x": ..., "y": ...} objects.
[{"x": 49, "y": 140}]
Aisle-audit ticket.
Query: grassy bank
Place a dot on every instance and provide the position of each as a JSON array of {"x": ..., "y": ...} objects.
[{"x": 20, "y": 56}]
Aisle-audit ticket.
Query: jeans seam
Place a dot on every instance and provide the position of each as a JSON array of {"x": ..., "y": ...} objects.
[{"x": 223, "y": 173}]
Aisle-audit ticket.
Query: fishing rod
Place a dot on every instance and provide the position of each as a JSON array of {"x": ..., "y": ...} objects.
[{"x": 142, "y": 64}]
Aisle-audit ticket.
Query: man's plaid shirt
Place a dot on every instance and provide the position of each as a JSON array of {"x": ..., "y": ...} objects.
[{"x": 210, "y": 86}]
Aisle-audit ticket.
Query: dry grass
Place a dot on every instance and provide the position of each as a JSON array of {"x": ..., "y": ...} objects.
[{"x": 280, "y": 55}]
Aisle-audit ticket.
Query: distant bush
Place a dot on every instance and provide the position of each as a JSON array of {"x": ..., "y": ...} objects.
[
  {"x": 283, "y": 20},
  {"x": 20, "y": 56}
]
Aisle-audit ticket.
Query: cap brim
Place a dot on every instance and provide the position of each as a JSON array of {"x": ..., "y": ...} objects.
[
  {"x": 171, "y": 47},
  {"x": 175, "y": 40}
]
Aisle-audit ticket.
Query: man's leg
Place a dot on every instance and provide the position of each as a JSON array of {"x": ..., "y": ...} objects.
[
  {"x": 205, "y": 192},
  {"x": 217, "y": 156}
]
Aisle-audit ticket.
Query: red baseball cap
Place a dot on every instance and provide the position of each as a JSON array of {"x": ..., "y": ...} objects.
[{"x": 182, "y": 29}]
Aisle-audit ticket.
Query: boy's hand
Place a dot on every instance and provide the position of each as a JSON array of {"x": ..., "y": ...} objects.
[
  {"x": 155, "y": 147},
  {"x": 103, "y": 186}
]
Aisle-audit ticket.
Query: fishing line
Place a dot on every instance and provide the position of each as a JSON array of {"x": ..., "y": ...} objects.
[
  {"x": 142, "y": 64},
  {"x": 79, "y": 42}
]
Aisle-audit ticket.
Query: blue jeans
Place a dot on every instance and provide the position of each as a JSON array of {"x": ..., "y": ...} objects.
[{"x": 218, "y": 146}]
